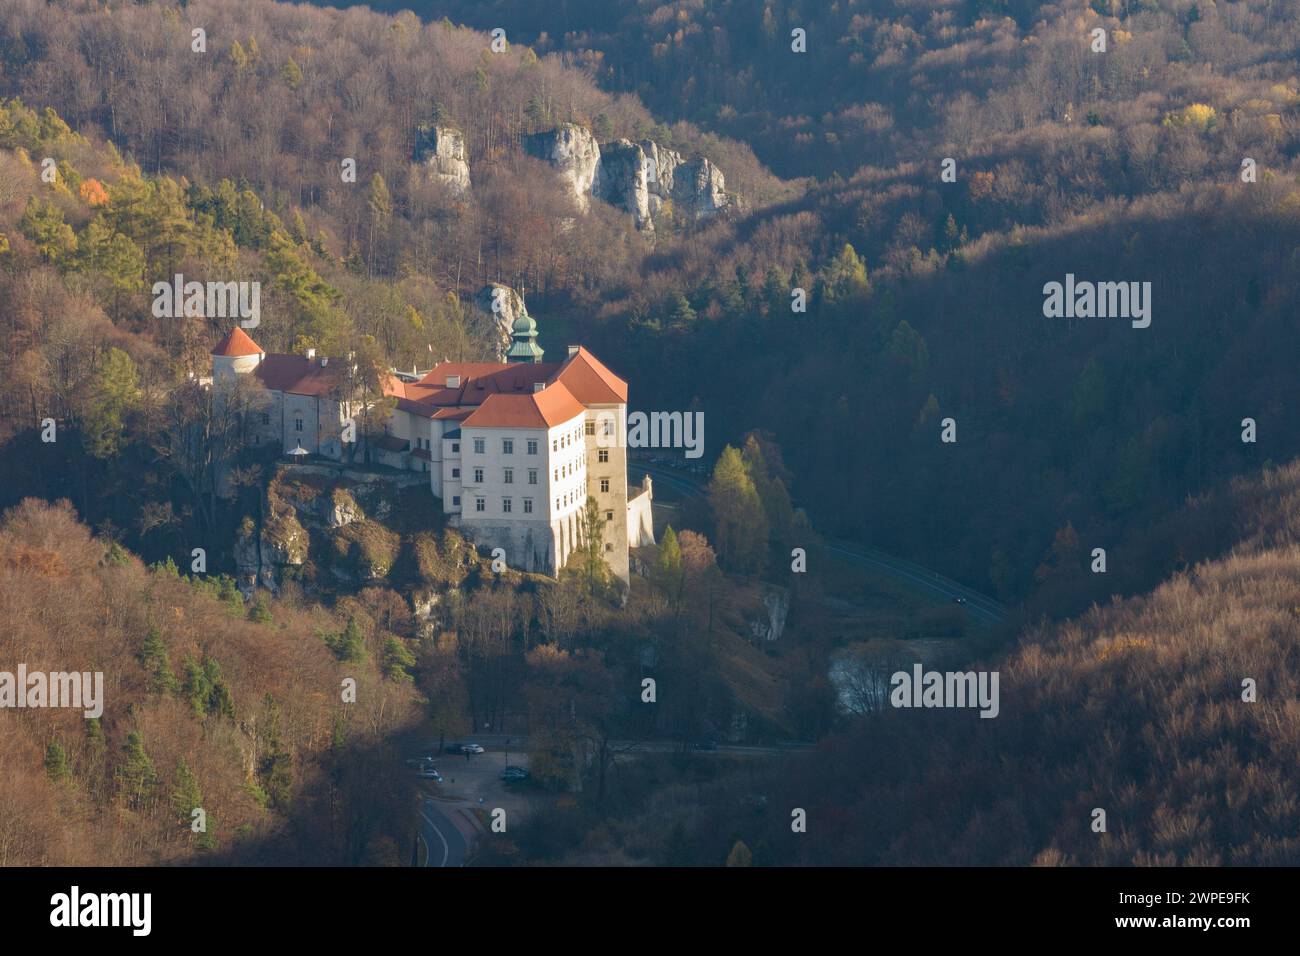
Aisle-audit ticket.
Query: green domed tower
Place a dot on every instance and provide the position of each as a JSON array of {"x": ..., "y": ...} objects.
[{"x": 525, "y": 347}]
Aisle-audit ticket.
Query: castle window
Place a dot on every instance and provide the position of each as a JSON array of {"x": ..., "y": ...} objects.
[
  {"x": 507, "y": 446},
  {"x": 455, "y": 501},
  {"x": 478, "y": 476},
  {"x": 604, "y": 484},
  {"x": 528, "y": 506},
  {"x": 455, "y": 448},
  {"x": 555, "y": 444},
  {"x": 609, "y": 546},
  {"x": 266, "y": 418},
  {"x": 602, "y": 456},
  {"x": 505, "y": 505},
  {"x": 532, "y": 476},
  {"x": 510, "y": 476},
  {"x": 609, "y": 426},
  {"x": 557, "y": 504},
  {"x": 455, "y": 472},
  {"x": 480, "y": 504},
  {"x": 297, "y": 424},
  {"x": 609, "y": 516},
  {"x": 480, "y": 446},
  {"x": 532, "y": 446},
  {"x": 591, "y": 428}
]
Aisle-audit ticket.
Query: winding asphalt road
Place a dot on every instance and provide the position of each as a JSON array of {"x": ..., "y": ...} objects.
[
  {"x": 980, "y": 607},
  {"x": 443, "y": 842}
]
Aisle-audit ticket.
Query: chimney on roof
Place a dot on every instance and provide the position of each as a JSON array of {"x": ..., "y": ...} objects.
[
  {"x": 311, "y": 354},
  {"x": 453, "y": 381},
  {"x": 538, "y": 386},
  {"x": 573, "y": 349}
]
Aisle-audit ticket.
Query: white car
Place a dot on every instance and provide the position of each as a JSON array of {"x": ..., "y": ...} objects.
[{"x": 471, "y": 749}]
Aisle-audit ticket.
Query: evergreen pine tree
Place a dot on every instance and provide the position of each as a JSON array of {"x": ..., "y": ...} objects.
[
  {"x": 186, "y": 795},
  {"x": 398, "y": 660},
  {"x": 137, "y": 779},
  {"x": 157, "y": 664},
  {"x": 56, "y": 762},
  {"x": 668, "y": 572}
]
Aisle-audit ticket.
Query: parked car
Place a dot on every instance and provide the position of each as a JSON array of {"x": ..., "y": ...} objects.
[
  {"x": 466, "y": 749},
  {"x": 428, "y": 771},
  {"x": 705, "y": 745},
  {"x": 514, "y": 774}
]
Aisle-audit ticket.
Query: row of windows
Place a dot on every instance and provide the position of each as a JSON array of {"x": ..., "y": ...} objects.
[
  {"x": 508, "y": 475},
  {"x": 507, "y": 504},
  {"x": 507, "y": 446},
  {"x": 565, "y": 470}
]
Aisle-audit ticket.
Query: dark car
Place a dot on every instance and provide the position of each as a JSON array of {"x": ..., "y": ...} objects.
[{"x": 959, "y": 600}]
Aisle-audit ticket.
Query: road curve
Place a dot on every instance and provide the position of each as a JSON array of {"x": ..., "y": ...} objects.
[
  {"x": 981, "y": 607},
  {"x": 444, "y": 843}
]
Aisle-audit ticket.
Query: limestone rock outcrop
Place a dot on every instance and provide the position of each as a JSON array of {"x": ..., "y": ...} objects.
[
  {"x": 661, "y": 173},
  {"x": 699, "y": 188},
  {"x": 574, "y": 152},
  {"x": 503, "y": 305},
  {"x": 625, "y": 181},
  {"x": 639, "y": 178},
  {"x": 441, "y": 150}
]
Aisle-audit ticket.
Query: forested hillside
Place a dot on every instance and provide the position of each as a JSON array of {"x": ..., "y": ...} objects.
[
  {"x": 925, "y": 295},
  {"x": 208, "y": 706},
  {"x": 897, "y": 198},
  {"x": 1174, "y": 712}
]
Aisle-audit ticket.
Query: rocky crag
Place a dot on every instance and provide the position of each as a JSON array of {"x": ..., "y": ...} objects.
[
  {"x": 440, "y": 150},
  {"x": 644, "y": 179}
]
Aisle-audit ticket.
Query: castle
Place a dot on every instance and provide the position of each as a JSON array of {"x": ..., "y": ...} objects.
[{"x": 513, "y": 449}]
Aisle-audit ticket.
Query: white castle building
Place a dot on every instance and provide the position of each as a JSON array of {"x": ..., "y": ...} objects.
[{"x": 513, "y": 449}]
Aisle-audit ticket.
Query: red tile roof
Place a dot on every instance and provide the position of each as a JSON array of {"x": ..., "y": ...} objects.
[
  {"x": 552, "y": 406},
  {"x": 299, "y": 375},
  {"x": 582, "y": 374},
  {"x": 590, "y": 381},
  {"x": 237, "y": 342}
]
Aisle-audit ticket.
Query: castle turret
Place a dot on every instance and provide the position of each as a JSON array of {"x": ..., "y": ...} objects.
[
  {"x": 525, "y": 348},
  {"x": 236, "y": 354}
]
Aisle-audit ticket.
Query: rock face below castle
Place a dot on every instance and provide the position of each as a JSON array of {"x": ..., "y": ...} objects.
[
  {"x": 511, "y": 307},
  {"x": 573, "y": 151},
  {"x": 441, "y": 150}
]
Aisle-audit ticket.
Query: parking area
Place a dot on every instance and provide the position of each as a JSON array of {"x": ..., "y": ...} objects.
[{"x": 475, "y": 782}]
